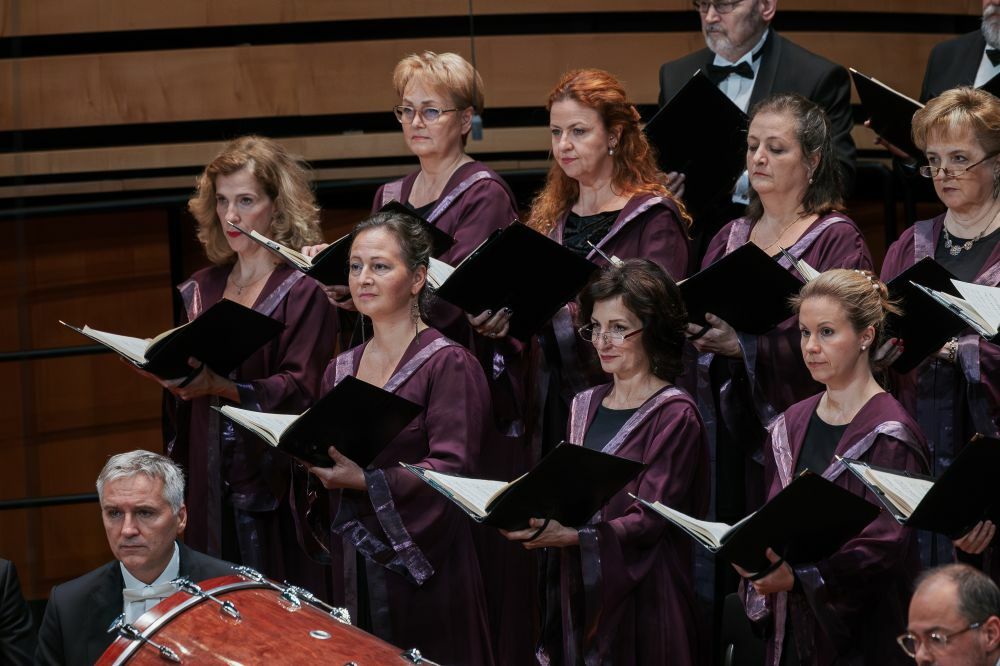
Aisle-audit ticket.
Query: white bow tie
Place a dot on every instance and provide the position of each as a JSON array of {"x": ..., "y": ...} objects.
[{"x": 155, "y": 593}]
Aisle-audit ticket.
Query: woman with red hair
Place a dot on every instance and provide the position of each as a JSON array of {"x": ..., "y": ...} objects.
[{"x": 604, "y": 196}]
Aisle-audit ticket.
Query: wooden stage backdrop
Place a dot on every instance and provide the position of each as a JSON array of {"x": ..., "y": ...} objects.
[{"x": 108, "y": 109}]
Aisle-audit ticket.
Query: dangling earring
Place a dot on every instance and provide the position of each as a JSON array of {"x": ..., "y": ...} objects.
[
  {"x": 611, "y": 150},
  {"x": 415, "y": 313}
]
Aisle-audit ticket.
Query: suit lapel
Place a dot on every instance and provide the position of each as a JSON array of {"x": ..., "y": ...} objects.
[
  {"x": 967, "y": 64},
  {"x": 770, "y": 56},
  {"x": 106, "y": 605}
]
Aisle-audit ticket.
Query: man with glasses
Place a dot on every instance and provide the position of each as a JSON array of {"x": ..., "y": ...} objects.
[
  {"x": 968, "y": 60},
  {"x": 750, "y": 61},
  {"x": 954, "y": 618}
]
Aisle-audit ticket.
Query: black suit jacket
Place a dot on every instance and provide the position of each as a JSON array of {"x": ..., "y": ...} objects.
[
  {"x": 786, "y": 67},
  {"x": 17, "y": 636},
  {"x": 75, "y": 626},
  {"x": 953, "y": 63}
]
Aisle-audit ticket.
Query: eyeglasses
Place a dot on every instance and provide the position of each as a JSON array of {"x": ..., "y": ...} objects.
[
  {"x": 720, "y": 7},
  {"x": 928, "y": 171},
  {"x": 430, "y": 115},
  {"x": 592, "y": 333},
  {"x": 936, "y": 640}
]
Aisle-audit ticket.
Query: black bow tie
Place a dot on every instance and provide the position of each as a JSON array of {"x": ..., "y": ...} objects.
[
  {"x": 994, "y": 56},
  {"x": 717, "y": 73}
]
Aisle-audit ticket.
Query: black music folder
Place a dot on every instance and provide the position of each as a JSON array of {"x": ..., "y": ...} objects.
[
  {"x": 746, "y": 288},
  {"x": 922, "y": 326},
  {"x": 701, "y": 133},
  {"x": 890, "y": 111},
  {"x": 965, "y": 493},
  {"x": 807, "y": 521},
  {"x": 356, "y": 417},
  {"x": 329, "y": 267},
  {"x": 569, "y": 485},
  {"x": 519, "y": 268},
  {"x": 222, "y": 337}
]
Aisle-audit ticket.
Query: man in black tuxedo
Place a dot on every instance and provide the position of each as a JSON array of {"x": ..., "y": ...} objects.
[
  {"x": 750, "y": 61},
  {"x": 142, "y": 506},
  {"x": 969, "y": 60},
  {"x": 17, "y": 636}
]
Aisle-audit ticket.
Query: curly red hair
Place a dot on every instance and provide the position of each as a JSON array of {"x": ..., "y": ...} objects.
[{"x": 635, "y": 170}]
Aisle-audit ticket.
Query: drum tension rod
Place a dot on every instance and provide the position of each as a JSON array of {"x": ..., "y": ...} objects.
[
  {"x": 126, "y": 630},
  {"x": 186, "y": 585},
  {"x": 340, "y": 614}
]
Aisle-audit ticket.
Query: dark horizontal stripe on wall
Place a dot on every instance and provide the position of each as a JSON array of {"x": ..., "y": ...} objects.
[
  {"x": 138, "y": 134},
  {"x": 458, "y": 26},
  {"x": 133, "y": 174}
]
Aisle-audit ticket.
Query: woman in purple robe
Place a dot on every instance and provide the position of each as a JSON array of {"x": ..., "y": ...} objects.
[
  {"x": 404, "y": 558},
  {"x": 956, "y": 392},
  {"x": 621, "y": 588},
  {"x": 848, "y": 607},
  {"x": 237, "y": 484}
]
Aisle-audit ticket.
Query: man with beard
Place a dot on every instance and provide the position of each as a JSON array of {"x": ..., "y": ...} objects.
[
  {"x": 954, "y": 619},
  {"x": 969, "y": 60},
  {"x": 750, "y": 61}
]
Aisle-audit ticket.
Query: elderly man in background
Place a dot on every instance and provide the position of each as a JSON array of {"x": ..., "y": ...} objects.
[
  {"x": 954, "y": 618},
  {"x": 749, "y": 61},
  {"x": 142, "y": 505},
  {"x": 968, "y": 60}
]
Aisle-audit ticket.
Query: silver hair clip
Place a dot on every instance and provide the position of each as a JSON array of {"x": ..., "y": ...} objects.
[{"x": 613, "y": 260}]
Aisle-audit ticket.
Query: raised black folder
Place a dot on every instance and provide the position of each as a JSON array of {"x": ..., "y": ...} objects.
[
  {"x": 356, "y": 417},
  {"x": 922, "y": 327},
  {"x": 701, "y": 133},
  {"x": 519, "y": 268},
  {"x": 569, "y": 485},
  {"x": 964, "y": 494},
  {"x": 890, "y": 111},
  {"x": 222, "y": 337},
  {"x": 329, "y": 267},
  {"x": 746, "y": 288},
  {"x": 806, "y": 522}
]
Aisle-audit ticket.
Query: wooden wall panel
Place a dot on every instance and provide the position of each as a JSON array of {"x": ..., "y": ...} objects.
[
  {"x": 316, "y": 79},
  {"x": 39, "y": 17}
]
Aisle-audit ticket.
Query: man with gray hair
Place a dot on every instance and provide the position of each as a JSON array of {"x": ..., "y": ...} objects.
[
  {"x": 142, "y": 506},
  {"x": 969, "y": 60},
  {"x": 954, "y": 618}
]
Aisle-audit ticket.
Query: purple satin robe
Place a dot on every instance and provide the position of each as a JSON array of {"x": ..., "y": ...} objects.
[
  {"x": 626, "y": 594},
  {"x": 848, "y": 608},
  {"x": 950, "y": 401},
  {"x": 476, "y": 202},
  {"x": 231, "y": 470},
  {"x": 423, "y": 580}
]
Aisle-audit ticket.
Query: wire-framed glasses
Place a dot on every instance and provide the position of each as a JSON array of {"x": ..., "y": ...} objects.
[
  {"x": 592, "y": 333},
  {"x": 723, "y": 7},
  {"x": 936, "y": 640},
  {"x": 430, "y": 114},
  {"x": 928, "y": 171}
]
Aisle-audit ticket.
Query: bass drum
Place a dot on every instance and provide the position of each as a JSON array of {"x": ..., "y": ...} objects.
[{"x": 261, "y": 625}]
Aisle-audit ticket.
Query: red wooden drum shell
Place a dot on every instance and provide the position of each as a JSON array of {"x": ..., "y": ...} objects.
[{"x": 201, "y": 633}]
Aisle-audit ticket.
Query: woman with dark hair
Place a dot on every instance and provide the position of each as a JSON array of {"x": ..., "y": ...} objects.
[
  {"x": 620, "y": 589},
  {"x": 237, "y": 484},
  {"x": 848, "y": 607},
  {"x": 795, "y": 194},
  {"x": 403, "y": 555},
  {"x": 956, "y": 392}
]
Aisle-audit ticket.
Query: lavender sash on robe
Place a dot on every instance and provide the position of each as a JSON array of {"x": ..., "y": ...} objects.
[
  {"x": 394, "y": 190},
  {"x": 757, "y": 605},
  {"x": 408, "y": 560},
  {"x": 219, "y": 432}
]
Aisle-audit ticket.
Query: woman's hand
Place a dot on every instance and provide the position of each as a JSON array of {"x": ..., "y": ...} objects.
[
  {"x": 888, "y": 353},
  {"x": 345, "y": 473},
  {"x": 339, "y": 295},
  {"x": 490, "y": 324},
  {"x": 781, "y": 579},
  {"x": 893, "y": 149},
  {"x": 977, "y": 539},
  {"x": 555, "y": 535},
  {"x": 675, "y": 183},
  {"x": 205, "y": 382},
  {"x": 949, "y": 352},
  {"x": 720, "y": 338},
  {"x": 313, "y": 250}
]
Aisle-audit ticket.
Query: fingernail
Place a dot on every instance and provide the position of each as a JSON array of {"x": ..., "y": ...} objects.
[
  {"x": 507, "y": 310},
  {"x": 489, "y": 313}
]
